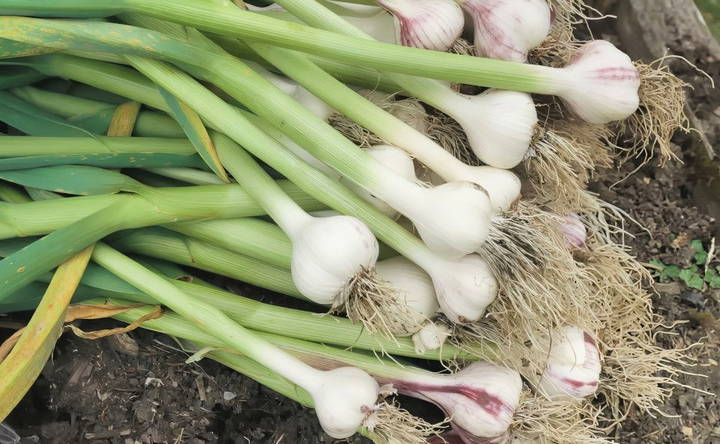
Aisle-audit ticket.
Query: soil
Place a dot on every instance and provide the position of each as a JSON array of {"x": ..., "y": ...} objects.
[{"x": 140, "y": 390}]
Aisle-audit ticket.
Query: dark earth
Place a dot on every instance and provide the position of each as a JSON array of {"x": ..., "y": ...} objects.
[{"x": 139, "y": 390}]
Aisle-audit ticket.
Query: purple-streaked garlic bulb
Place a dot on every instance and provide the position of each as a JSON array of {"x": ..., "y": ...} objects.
[
  {"x": 508, "y": 29},
  {"x": 427, "y": 24},
  {"x": 574, "y": 230},
  {"x": 573, "y": 366},
  {"x": 600, "y": 84}
]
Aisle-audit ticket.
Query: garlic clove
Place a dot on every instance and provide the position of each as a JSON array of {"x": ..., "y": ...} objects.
[
  {"x": 413, "y": 287},
  {"x": 460, "y": 221},
  {"x": 327, "y": 253},
  {"x": 395, "y": 159},
  {"x": 574, "y": 230},
  {"x": 601, "y": 83},
  {"x": 427, "y": 24},
  {"x": 573, "y": 365},
  {"x": 499, "y": 125},
  {"x": 464, "y": 288},
  {"x": 508, "y": 29},
  {"x": 344, "y": 399}
]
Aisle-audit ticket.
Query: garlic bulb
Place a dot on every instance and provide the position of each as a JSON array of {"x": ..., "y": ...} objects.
[
  {"x": 574, "y": 230},
  {"x": 480, "y": 399},
  {"x": 503, "y": 186},
  {"x": 393, "y": 158},
  {"x": 413, "y": 287},
  {"x": 343, "y": 399},
  {"x": 427, "y": 24},
  {"x": 600, "y": 84},
  {"x": 508, "y": 29},
  {"x": 327, "y": 253},
  {"x": 454, "y": 229},
  {"x": 573, "y": 365},
  {"x": 464, "y": 287},
  {"x": 431, "y": 336},
  {"x": 499, "y": 124}
]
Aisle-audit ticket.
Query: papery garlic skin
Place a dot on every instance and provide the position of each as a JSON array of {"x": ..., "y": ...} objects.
[
  {"x": 327, "y": 253},
  {"x": 499, "y": 124},
  {"x": 343, "y": 400},
  {"x": 574, "y": 230},
  {"x": 600, "y": 84},
  {"x": 413, "y": 288},
  {"x": 395, "y": 159},
  {"x": 431, "y": 337},
  {"x": 508, "y": 29},
  {"x": 573, "y": 365},
  {"x": 464, "y": 288},
  {"x": 427, "y": 24},
  {"x": 480, "y": 399}
]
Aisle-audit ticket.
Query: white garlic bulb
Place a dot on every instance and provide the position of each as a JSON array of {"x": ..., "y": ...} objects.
[
  {"x": 574, "y": 230},
  {"x": 508, "y": 29},
  {"x": 427, "y": 24},
  {"x": 431, "y": 336},
  {"x": 327, "y": 253},
  {"x": 464, "y": 288}
]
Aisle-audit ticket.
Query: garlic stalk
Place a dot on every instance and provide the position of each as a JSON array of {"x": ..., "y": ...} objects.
[
  {"x": 499, "y": 124},
  {"x": 573, "y": 365},
  {"x": 428, "y": 24},
  {"x": 395, "y": 159},
  {"x": 472, "y": 286},
  {"x": 508, "y": 29},
  {"x": 332, "y": 257},
  {"x": 343, "y": 397}
]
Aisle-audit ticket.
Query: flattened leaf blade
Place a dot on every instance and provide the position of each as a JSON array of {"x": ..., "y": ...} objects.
[
  {"x": 195, "y": 130},
  {"x": 71, "y": 179}
]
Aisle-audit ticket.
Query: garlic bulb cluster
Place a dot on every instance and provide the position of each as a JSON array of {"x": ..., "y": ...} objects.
[
  {"x": 600, "y": 84},
  {"x": 499, "y": 124},
  {"x": 464, "y": 287},
  {"x": 574, "y": 230},
  {"x": 480, "y": 399},
  {"x": 396, "y": 160},
  {"x": 327, "y": 253},
  {"x": 508, "y": 29},
  {"x": 427, "y": 24},
  {"x": 573, "y": 365},
  {"x": 343, "y": 398},
  {"x": 413, "y": 288}
]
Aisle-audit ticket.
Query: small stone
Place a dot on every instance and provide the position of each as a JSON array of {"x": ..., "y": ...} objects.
[
  {"x": 687, "y": 431},
  {"x": 693, "y": 299},
  {"x": 229, "y": 396}
]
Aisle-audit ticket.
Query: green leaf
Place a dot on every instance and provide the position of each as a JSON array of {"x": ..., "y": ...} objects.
[
  {"x": 700, "y": 253},
  {"x": 710, "y": 274},
  {"x": 72, "y": 179},
  {"x": 672, "y": 271},
  {"x": 715, "y": 282},
  {"x": 692, "y": 279},
  {"x": 195, "y": 130},
  {"x": 34, "y": 121},
  {"x": 15, "y": 76},
  {"x": 105, "y": 160}
]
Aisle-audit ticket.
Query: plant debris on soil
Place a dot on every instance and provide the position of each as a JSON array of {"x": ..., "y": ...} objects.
[{"x": 140, "y": 390}]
